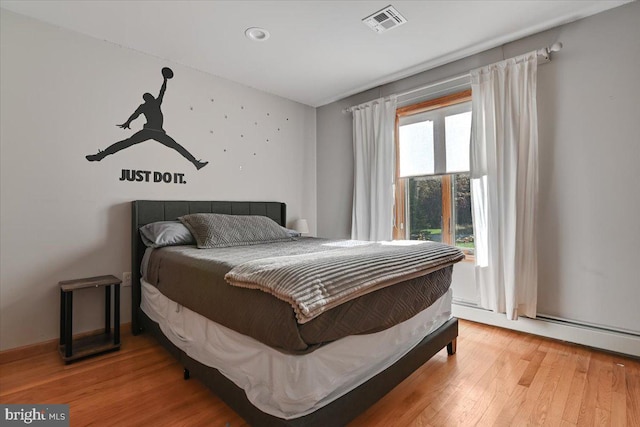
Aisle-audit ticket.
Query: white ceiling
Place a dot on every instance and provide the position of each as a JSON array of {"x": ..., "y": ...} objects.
[{"x": 319, "y": 51}]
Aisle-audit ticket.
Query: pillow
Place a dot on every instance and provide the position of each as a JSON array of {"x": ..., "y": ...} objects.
[
  {"x": 166, "y": 233},
  {"x": 220, "y": 231},
  {"x": 291, "y": 233}
]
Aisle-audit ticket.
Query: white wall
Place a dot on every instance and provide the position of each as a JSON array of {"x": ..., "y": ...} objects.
[
  {"x": 589, "y": 129},
  {"x": 62, "y": 217},
  {"x": 590, "y": 172}
]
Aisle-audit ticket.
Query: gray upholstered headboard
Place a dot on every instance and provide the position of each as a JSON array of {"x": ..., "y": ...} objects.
[{"x": 147, "y": 211}]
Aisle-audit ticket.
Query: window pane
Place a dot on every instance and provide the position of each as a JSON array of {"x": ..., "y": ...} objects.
[
  {"x": 425, "y": 208},
  {"x": 457, "y": 137},
  {"x": 416, "y": 149},
  {"x": 463, "y": 236}
]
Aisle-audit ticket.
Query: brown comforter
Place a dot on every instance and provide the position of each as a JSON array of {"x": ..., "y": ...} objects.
[{"x": 195, "y": 279}]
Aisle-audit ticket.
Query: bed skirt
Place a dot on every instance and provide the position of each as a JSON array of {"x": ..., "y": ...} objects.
[{"x": 337, "y": 413}]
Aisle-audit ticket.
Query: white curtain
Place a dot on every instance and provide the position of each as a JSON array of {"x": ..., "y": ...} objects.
[
  {"x": 374, "y": 166},
  {"x": 504, "y": 185}
]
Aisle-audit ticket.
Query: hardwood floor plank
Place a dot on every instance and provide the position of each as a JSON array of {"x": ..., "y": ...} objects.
[
  {"x": 576, "y": 391},
  {"x": 526, "y": 413},
  {"x": 504, "y": 397},
  {"x": 619, "y": 393},
  {"x": 497, "y": 378},
  {"x": 604, "y": 389},
  {"x": 556, "y": 363},
  {"x": 587, "y": 413},
  {"x": 618, "y": 409},
  {"x": 618, "y": 381},
  {"x": 509, "y": 411},
  {"x": 561, "y": 393},
  {"x": 602, "y": 417},
  {"x": 633, "y": 396},
  {"x": 532, "y": 369}
]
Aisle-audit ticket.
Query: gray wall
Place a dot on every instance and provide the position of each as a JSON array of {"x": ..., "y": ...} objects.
[
  {"x": 589, "y": 149},
  {"x": 63, "y": 218}
]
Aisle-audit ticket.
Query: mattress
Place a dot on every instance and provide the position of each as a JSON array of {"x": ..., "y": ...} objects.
[
  {"x": 195, "y": 278},
  {"x": 286, "y": 385}
]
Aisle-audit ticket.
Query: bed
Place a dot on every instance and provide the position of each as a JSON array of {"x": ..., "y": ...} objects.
[{"x": 337, "y": 409}]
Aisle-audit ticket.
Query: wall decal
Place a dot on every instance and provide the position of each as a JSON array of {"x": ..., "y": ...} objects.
[
  {"x": 152, "y": 176},
  {"x": 151, "y": 130}
]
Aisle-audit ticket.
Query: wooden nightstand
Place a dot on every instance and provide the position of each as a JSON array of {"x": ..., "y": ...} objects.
[{"x": 71, "y": 349}]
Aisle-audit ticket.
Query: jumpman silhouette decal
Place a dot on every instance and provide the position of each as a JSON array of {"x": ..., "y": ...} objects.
[{"x": 151, "y": 130}]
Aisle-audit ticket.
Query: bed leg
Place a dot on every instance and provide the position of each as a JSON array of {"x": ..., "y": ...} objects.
[
  {"x": 451, "y": 347},
  {"x": 186, "y": 374}
]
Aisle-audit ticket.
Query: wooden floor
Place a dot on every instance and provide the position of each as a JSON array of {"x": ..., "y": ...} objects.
[{"x": 497, "y": 377}]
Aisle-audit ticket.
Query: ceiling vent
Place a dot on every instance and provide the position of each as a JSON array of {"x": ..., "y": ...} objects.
[{"x": 384, "y": 19}]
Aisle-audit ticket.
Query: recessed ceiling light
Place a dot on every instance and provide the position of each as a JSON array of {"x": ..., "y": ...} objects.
[{"x": 257, "y": 34}]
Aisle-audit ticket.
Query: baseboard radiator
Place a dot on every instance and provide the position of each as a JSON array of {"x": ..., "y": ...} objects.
[{"x": 596, "y": 336}]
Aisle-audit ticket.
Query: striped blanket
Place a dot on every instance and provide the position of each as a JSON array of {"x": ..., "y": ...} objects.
[{"x": 316, "y": 282}]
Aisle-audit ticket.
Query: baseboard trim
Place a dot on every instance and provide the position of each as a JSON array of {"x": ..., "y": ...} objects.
[
  {"x": 18, "y": 353},
  {"x": 617, "y": 342}
]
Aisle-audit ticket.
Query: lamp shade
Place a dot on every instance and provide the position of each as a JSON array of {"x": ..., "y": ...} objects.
[{"x": 301, "y": 226}]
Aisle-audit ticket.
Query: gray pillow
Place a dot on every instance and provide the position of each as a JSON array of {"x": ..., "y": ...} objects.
[
  {"x": 292, "y": 233},
  {"x": 166, "y": 233},
  {"x": 219, "y": 231}
]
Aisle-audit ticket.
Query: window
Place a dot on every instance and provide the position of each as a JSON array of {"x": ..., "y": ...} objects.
[{"x": 433, "y": 197}]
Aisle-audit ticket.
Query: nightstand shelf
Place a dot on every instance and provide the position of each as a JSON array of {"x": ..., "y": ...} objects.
[{"x": 74, "y": 349}]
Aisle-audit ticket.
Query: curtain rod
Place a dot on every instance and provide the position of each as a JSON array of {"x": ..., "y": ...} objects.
[{"x": 545, "y": 52}]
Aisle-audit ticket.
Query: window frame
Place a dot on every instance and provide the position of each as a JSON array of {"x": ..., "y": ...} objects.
[{"x": 399, "y": 222}]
